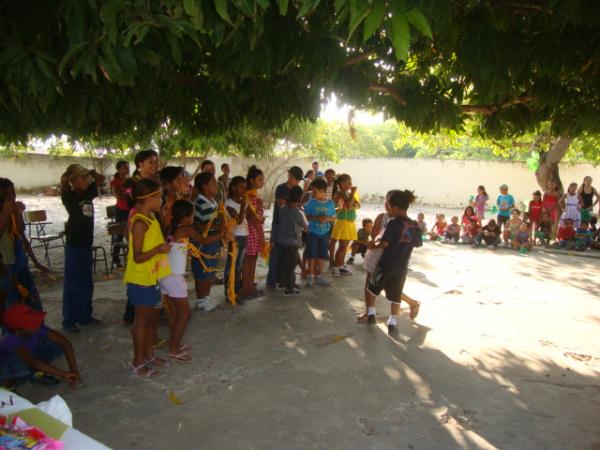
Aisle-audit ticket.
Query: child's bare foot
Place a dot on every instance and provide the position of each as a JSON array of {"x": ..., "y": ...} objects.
[{"x": 414, "y": 311}]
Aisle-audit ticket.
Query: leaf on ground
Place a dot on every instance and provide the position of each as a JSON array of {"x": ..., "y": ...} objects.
[{"x": 173, "y": 398}]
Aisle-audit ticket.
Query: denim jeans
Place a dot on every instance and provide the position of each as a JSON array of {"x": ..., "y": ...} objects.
[
  {"x": 241, "y": 244},
  {"x": 13, "y": 368},
  {"x": 78, "y": 287},
  {"x": 274, "y": 260},
  {"x": 287, "y": 265},
  {"x": 23, "y": 276}
]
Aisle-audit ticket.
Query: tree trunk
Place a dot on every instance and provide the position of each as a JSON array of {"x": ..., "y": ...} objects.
[{"x": 548, "y": 169}]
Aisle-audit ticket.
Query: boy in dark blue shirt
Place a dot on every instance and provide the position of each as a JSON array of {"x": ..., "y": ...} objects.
[{"x": 401, "y": 235}]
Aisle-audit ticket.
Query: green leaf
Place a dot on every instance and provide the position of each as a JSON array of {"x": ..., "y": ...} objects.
[
  {"x": 70, "y": 54},
  {"x": 374, "y": 19},
  {"x": 190, "y": 7},
  {"x": 359, "y": 10},
  {"x": 176, "y": 50},
  {"x": 339, "y": 4},
  {"x": 307, "y": 6},
  {"x": 108, "y": 16},
  {"x": 418, "y": 20},
  {"x": 264, "y": 4},
  {"x": 400, "y": 36},
  {"x": 283, "y": 7},
  {"x": 148, "y": 56},
  {"x": 221, "y": 7}
]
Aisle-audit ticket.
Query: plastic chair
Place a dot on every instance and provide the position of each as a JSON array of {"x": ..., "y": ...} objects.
[
  {"x": 39, "y": 221},
  {"x": 118, "y": 248},
  {"x": 99, "y": 255}
]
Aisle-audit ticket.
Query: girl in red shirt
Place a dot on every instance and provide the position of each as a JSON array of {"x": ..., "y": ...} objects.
[{"x": 536, "y": 207}]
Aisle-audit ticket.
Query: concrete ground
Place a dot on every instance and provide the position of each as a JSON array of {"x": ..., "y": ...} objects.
[{"x": 504, "y": 354}]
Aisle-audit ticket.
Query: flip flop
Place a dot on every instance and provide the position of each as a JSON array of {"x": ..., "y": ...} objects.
[
  {"x": 414, "y": 312},
  {"x": 135, "y": 371},
  {"x": 151, "y": 360},
  {"x": 182, "y": 357}
]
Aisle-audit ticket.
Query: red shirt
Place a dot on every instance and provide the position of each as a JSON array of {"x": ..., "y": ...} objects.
[
  {"x": 535, "y": 211},
  {"x": 471, "y": 225},
  {"x": 122, "y": 203},
  {"x": 566, "y": 234}
]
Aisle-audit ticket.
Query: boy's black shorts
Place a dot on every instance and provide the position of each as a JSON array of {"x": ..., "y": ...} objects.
[{"x": 392, "y": 283}]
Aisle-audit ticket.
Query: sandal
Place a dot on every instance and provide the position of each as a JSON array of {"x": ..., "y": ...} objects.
[
  {"x": 159, "y": 362},
  {"x": 182, "y": 357},
  {"x": 185, "y": 348},
  {"x": 135, "y": 371},
  {"x": 414, "y": 312}
]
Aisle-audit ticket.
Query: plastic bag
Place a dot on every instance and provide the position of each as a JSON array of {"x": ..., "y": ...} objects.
[{"x": 57, "y": 408}]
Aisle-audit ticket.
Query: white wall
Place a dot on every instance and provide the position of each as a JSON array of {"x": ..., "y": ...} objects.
[{"x": 435, "y": 182}]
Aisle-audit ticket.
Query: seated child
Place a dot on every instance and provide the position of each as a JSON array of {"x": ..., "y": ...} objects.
[
  {"x": 438, "y": 229},
  {"x": 512, "y": 226},
  {"x": 566, "y": 235},
  {"x": 489, "y": 234},
  {"x": 583, "y": 237},
  {"x": 594, "y": 227},
  {"x": 522, "y": 239},
  {"x": 544, "y": 231},
  {"x": 29, "y": 346},
  {"x": 470, "y": 223},
  {"x": 364, "y": 236},
  {"x": 452, "y": 232},
  {"x": 422, "y": 224}
]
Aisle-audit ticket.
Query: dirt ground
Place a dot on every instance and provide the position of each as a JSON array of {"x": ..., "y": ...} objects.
[{"x": 505, "y": 354}]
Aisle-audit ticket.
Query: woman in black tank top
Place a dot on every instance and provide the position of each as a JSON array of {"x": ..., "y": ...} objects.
[{"x": 587, "y": 193}]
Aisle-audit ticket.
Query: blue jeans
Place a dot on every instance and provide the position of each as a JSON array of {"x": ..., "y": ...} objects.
[
  {"x": 78, "y": 288},
  {"x": 274, "y": 260},
  {"x": 23, "y": 276},
  {"x": 13, "y": 368},
  {"x": 241, "y": 244}
]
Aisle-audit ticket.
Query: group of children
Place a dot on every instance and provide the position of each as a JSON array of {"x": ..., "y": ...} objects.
[{"x": 552, "y": 220}]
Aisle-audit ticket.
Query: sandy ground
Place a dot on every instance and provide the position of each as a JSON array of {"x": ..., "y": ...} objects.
[{"x": 505, "y": 354}]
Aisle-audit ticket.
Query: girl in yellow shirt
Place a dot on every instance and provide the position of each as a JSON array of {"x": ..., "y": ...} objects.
[{"x": 147, "y": 263}]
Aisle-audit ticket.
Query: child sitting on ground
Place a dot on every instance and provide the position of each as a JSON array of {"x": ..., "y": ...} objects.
[
  {"x": 594, "y": 227},
  {"x": 29, "y": 346},
  {"x": 566, "y": 235},
  {"x": 289, "y": 238},
  {"x": 522, "y": 238},
  {"x": 452, "y": 232},
  {"x": 401, "y": 235},
  {"x": 544, "y": 232},
  {"x": 489, "y": 234},
  {"x": 512, "y": 227},
  {"x": 583, "y": 238},
  {"x": 364, "y": 236},
  {"x": 470, "y": 224},
  {"x": 422, "y": 224},
  {"x": 320, "y": 213},
  {"x": 439, "y": 228}
]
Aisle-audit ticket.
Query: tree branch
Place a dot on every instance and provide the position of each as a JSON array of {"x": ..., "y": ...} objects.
[
  {"x": 389, "y": 91},
  {"x": 488, "y": 110},
  {"x": 358, "y": 58}
]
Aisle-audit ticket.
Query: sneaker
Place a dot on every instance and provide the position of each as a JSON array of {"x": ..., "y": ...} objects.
[
  {"x": 344, "y": 270},
  {"x": 335, "y": 272},
  {"x": 72, "y": 329},
  {"x": 206, "y": 304},
  {"x": 294, "y": 291},
  {"x": 323, "y": 282},
  {"x": 392, "y": 328},
  {"x": 310, "y": 281},
  {"x": 372, "y": 319},
  {"x": 350, "y": 261}
]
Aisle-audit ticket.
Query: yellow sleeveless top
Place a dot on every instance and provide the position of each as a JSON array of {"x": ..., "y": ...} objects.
[{"x": 147, "y": 273}]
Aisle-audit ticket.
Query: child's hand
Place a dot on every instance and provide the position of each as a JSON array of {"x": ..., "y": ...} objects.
[
  {"x": 72, "y": 378},
  {"x": 163, "y": 248},
  {"x": 323, "y": 219}
]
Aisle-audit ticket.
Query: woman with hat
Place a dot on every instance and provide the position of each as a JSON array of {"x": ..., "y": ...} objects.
[{"x": 79, "y": 189}]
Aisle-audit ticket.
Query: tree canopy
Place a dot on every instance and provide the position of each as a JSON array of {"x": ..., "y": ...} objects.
[{"x": 85, "y": 67}]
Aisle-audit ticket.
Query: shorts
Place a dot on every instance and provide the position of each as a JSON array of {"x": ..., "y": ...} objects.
[
  {"x": 317, "y": 246},
  {"x": 371, "y": 259},
  {"x": 502, "y": 220},
  {"x": 392, "y": 283},
  {"x": 198, "y": 270},
  {"x": 143, "y": 295},
  {"x": 174, "y": 286},
  {"x": 361, "y": 249}
]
